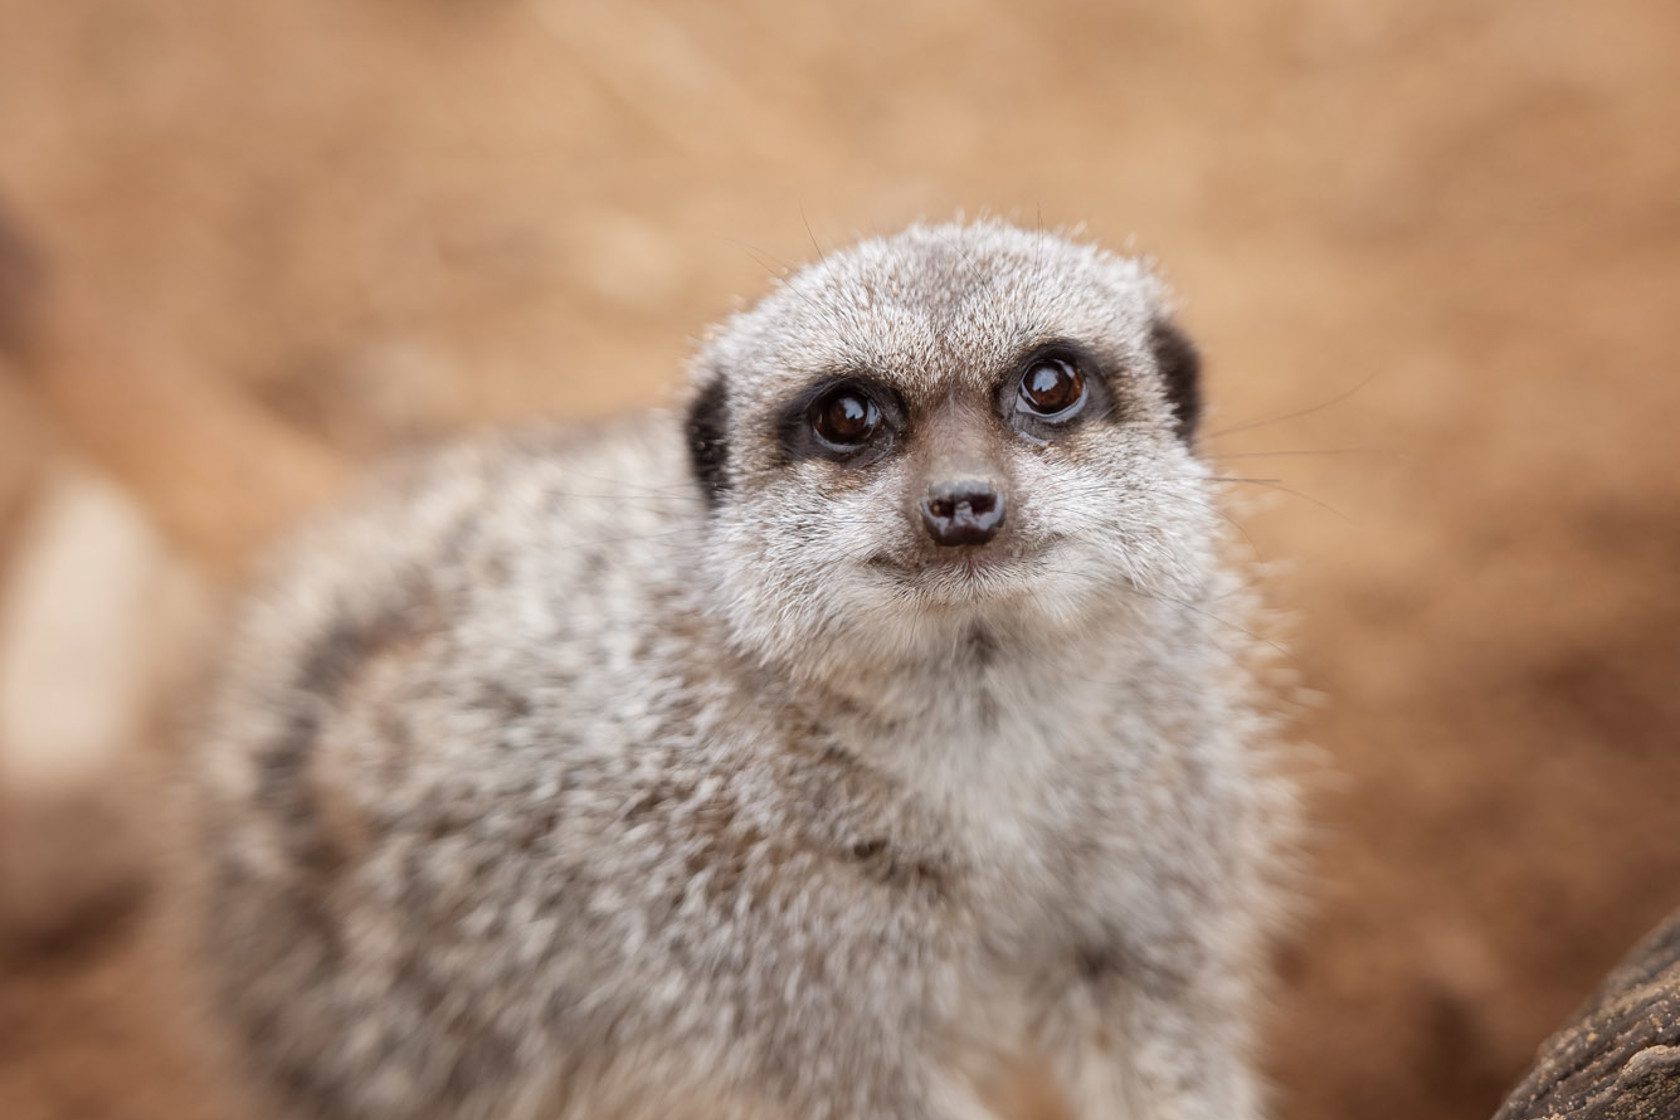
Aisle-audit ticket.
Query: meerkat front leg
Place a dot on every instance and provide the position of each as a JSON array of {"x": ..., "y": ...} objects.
[
  {"x": 1189, "y": 1064},
  {"x": 1163, "y": 1053},
  {"x": 1182, "y": 1062}
]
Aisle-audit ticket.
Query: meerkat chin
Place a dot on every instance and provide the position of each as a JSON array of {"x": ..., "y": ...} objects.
[{"x": 877, "y": 732}]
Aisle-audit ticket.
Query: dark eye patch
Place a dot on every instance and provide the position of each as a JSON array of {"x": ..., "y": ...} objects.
[
  {"x": 847, "y": 419},
  {"x": 1176, "y": 360},
  {"x": 1054, "y": 388}
]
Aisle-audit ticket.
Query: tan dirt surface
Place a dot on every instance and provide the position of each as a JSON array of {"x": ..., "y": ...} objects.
[{"x": 1431, "y": 249}]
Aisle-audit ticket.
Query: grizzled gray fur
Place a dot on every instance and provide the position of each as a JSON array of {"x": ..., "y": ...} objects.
[{"x": 878, "y": 729}]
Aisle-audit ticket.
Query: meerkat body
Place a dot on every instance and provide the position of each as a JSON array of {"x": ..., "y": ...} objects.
[{"x": 874, "y": 729}]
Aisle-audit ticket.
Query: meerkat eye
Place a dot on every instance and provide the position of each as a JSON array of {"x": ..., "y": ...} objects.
[
  {"x": 1052, "y": 388},
  {"x": 845, "y": 418}
]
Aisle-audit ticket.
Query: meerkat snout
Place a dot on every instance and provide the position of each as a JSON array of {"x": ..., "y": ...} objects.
[{"x": 962, "y": 498}]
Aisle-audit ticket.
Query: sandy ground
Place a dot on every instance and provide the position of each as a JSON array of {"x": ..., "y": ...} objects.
[{"x": 1431, "y": 249}]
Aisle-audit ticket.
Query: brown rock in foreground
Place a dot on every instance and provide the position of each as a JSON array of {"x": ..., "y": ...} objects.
[{"x": 1619, "y": 1057}]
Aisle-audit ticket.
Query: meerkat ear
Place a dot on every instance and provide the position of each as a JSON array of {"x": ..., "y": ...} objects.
[
  {"x": 1181, "y": 369},
  {"x": 708, "y": 439}
]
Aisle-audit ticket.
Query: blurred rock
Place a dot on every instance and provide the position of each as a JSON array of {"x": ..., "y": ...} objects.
[
  {"x": 1619, "y": 1057},
  {"x": 98, "y": 620},
  {"x": 94, "y": 610}
]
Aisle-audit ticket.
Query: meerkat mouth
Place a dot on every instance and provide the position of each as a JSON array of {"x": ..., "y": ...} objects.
[{"x": 976, "y": 567}]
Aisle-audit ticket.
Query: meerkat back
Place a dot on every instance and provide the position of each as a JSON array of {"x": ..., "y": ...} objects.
[{"x": 869, "y": 733}]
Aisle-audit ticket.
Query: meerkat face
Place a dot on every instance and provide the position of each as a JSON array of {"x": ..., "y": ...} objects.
[{"x": 956, "y": 424}]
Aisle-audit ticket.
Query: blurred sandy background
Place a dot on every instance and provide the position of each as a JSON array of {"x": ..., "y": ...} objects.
[{"x": 283, "y": 238}]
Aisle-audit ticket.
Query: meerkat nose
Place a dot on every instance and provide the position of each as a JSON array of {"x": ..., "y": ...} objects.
[{"x": 962, "y": 511}]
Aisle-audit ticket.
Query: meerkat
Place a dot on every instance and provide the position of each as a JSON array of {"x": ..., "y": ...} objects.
[{"x": 880, "y": 723}]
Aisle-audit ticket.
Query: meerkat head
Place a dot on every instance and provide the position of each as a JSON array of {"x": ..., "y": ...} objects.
[{"x": 959, "y": 425}]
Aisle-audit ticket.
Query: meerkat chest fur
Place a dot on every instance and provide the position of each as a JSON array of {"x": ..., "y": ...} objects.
[{"x": 1066, "y": 770}]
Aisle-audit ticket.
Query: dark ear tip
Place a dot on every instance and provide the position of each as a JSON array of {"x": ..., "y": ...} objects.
[
  {"x": 1180, "y": 365},
  {"x": 708, "y": 438}
]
